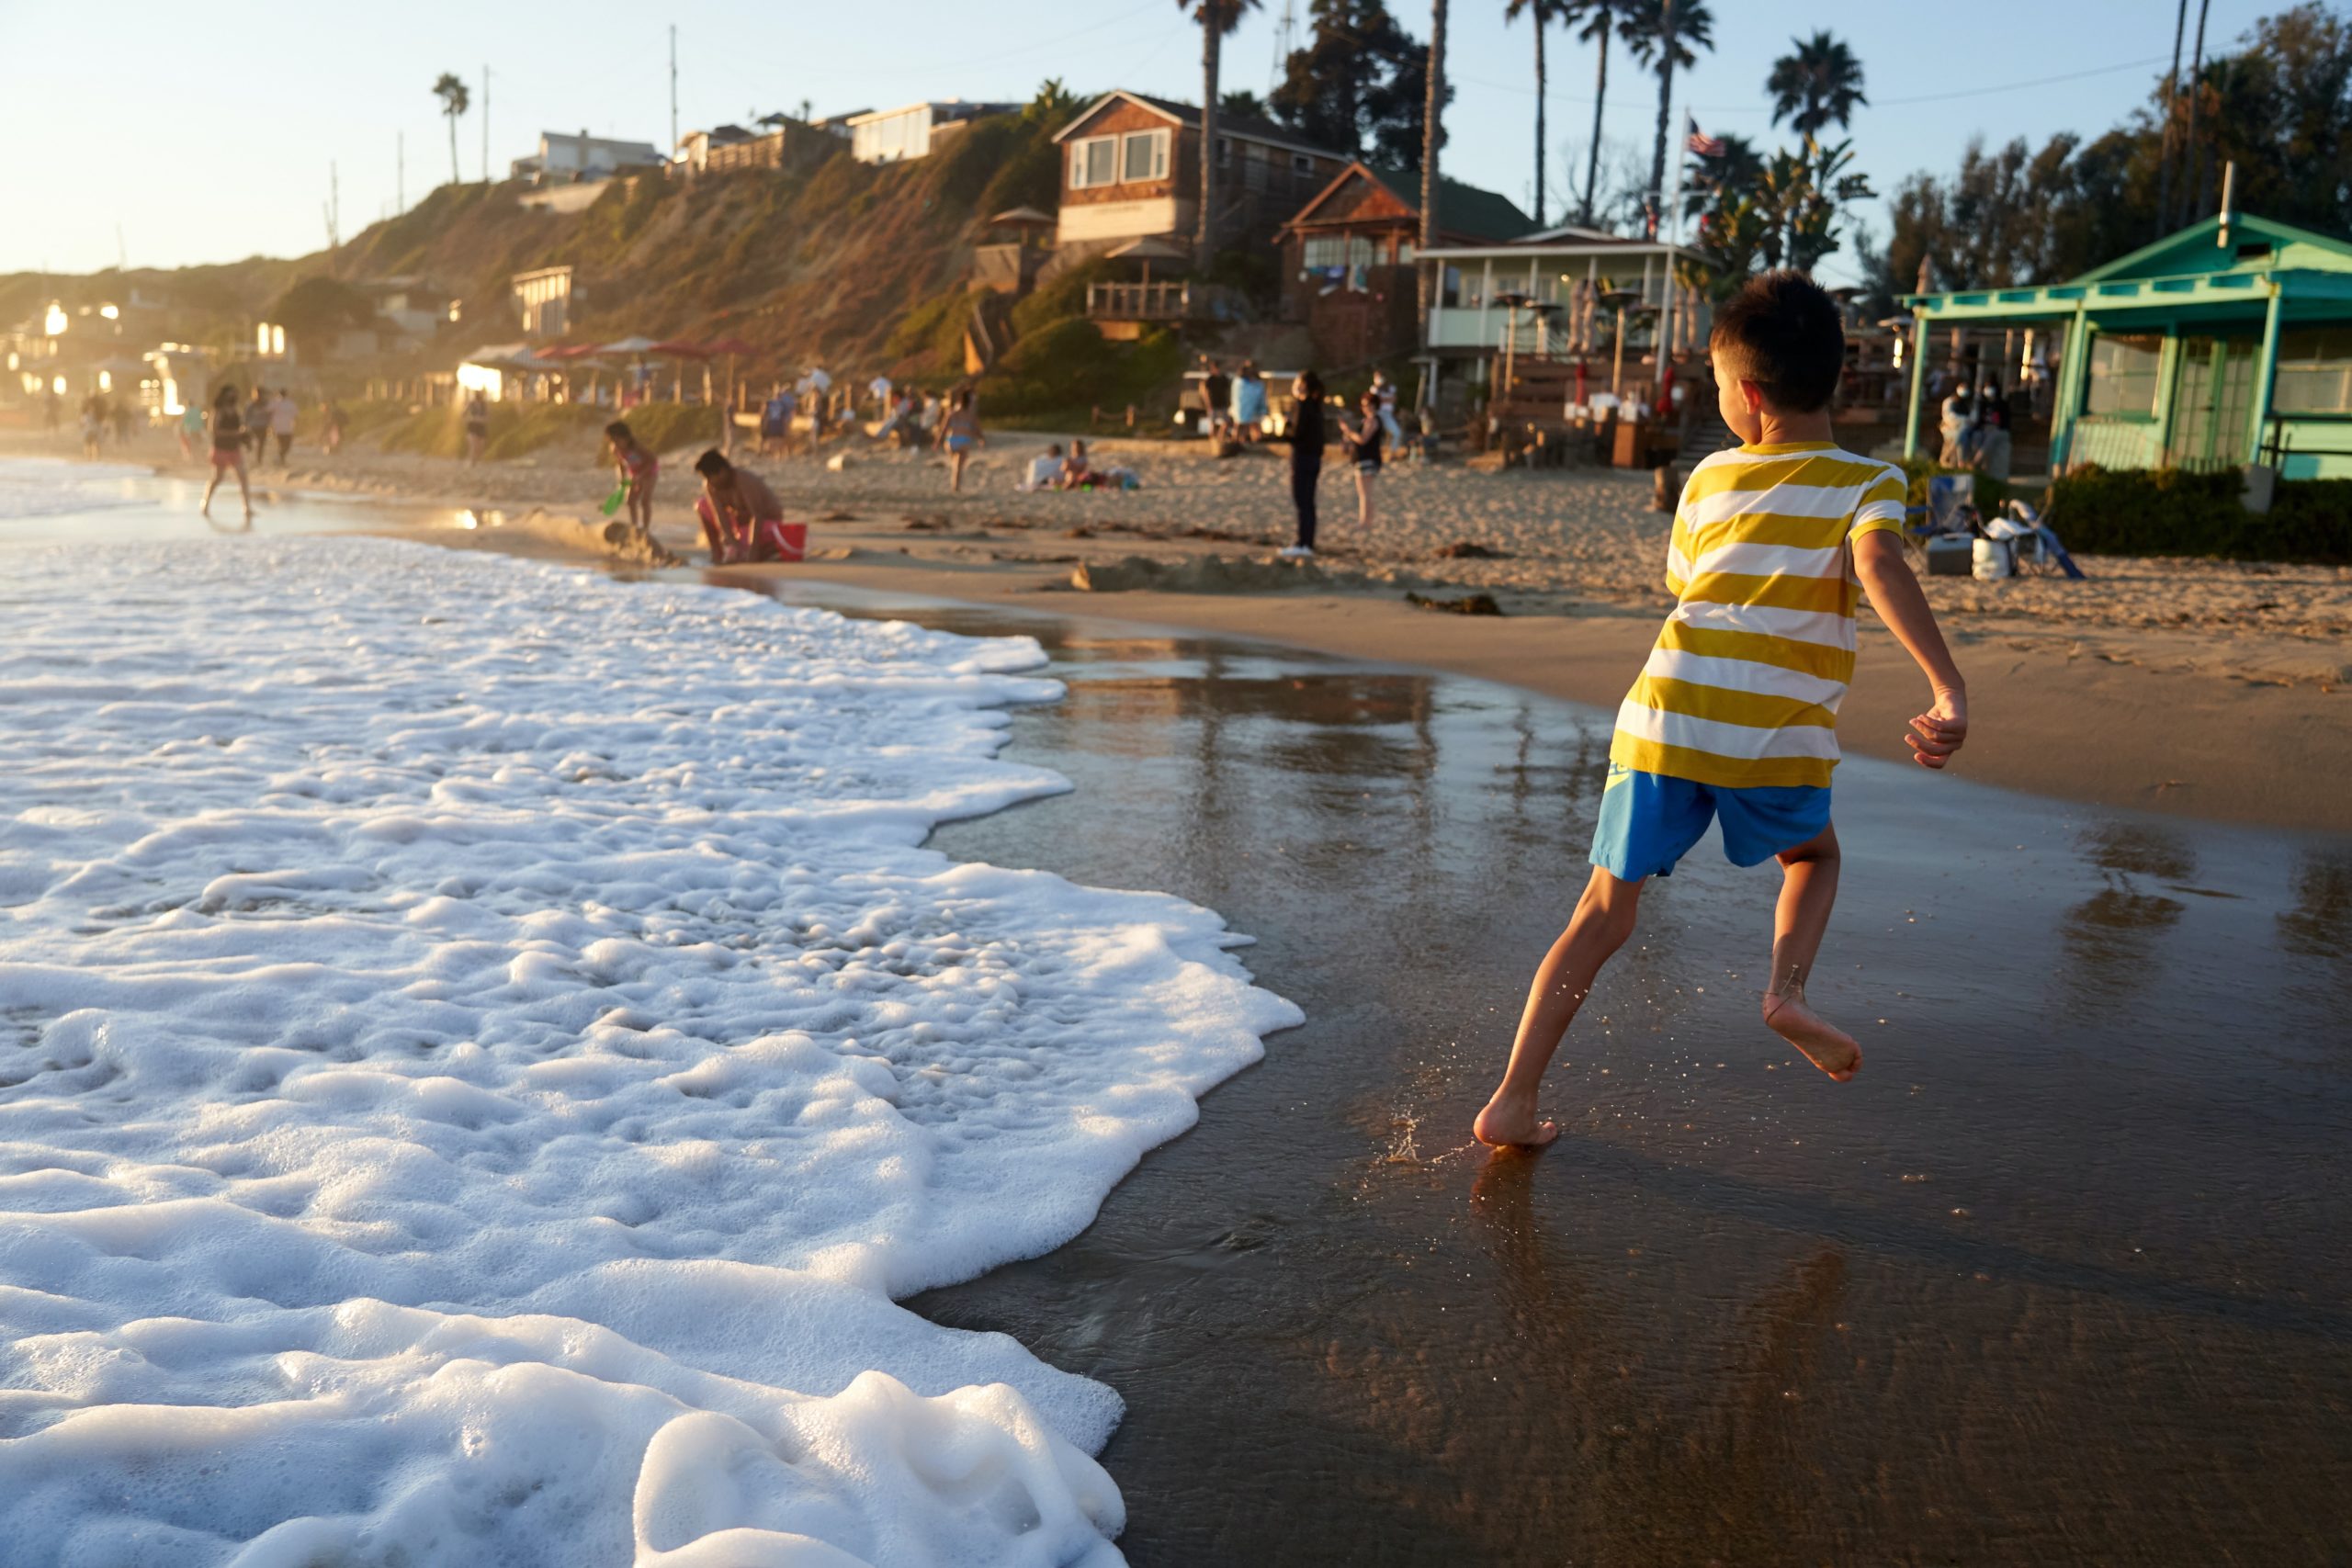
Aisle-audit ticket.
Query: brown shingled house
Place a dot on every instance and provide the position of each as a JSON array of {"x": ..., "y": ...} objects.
[{"x": 1348, "y": 256}]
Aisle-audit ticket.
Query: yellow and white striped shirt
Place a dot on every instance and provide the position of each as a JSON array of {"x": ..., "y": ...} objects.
[{"x": 1743, "y": 686}]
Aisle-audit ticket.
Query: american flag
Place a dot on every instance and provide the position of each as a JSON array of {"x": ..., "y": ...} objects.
[{"x": 1700, "y": 142}]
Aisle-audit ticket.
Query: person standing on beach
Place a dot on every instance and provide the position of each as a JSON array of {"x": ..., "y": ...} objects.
[
  {"x": 282, "y": 423},
  {"x": 776, "y": 421},
  {"x": 959, "y": 432},
  {"x": 1384, "y": 391},
  {"x": 634, "y": 469},
  {"x": 1217, "y": 389},
  {"x": 478, "y": 427},
  {"x": 256, "y": 423},
  {"x": 1363, "y": 438},
  {"x": 228, "y": 450},
  {"x": 330, "y": 427},
  {"x": 1733, "y": 716},
  {"x": 1248, "y": 403},
  {"x": 191, "y": 430},
  {"x": 1305, "y": 460}
]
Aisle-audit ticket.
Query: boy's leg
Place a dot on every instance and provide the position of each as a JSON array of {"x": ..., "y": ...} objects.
[
  {"x": 1808, "y": 889},
  {"x": 1603, "y": 919}
]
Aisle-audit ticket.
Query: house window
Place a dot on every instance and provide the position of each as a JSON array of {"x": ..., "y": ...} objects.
[
  {"x": 2123, "y": 375},
  {"x": 1404, "y": 253},
  {"x": 1330, "y": 250},
  {"x": 1093, "y": 161},
  {"x": 2314, "y": 371},
  {"x": 1450, "y": 295},
  {"x": 1143, "y": 155},
  {"x": 1300, "y": 163},
  {"x": 1224, "y": 151}
]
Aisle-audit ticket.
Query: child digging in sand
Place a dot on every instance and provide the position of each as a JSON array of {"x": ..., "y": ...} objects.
[{"x": 1733, "y": 718}]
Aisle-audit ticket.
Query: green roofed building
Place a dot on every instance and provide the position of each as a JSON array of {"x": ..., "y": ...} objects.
[{"x": 2226, "y": 345}]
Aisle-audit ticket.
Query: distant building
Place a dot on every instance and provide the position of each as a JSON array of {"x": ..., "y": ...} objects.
[
  {"x": 891, "y": 136},
  {"x": 786, "y": 143},
  {"x": 1348, "y": 268},
  {"x": 573, "y": 158},
  {"x": 410, "y": 305},
  {"x": 543, "y": 299},
  {"x": 1131, "y": 168}
]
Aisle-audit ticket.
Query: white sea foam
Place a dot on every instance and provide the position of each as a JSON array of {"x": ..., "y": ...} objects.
[
  {"x": 50, "y": 487},
  {"x": 480, "y": 1045}
]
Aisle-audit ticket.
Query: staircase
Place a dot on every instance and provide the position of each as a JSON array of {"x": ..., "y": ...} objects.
[{"x": 1709, "y": 434}]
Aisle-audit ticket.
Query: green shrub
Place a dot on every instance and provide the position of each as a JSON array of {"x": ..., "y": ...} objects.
[
  {"x": 665, "y": 427},
  {"x": 1065, "y": 296},
  {"x": 2167, "y": 512}
]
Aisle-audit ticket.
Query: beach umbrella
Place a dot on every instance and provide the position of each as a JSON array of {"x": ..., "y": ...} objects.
[{"x": 1022, "y": 218}]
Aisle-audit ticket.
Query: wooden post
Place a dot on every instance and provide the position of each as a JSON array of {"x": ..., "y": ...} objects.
[
  {"x": 1918, "y": 381},
  {"x": 2265, "y": 370},
  {"x": 2073, "y": 363}
]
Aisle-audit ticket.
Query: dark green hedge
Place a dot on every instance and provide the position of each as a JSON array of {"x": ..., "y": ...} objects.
[{"x": 2166, "y": 511}]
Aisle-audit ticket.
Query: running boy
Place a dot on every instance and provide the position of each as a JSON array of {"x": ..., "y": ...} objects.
[{"x": 1733, "y": 718}]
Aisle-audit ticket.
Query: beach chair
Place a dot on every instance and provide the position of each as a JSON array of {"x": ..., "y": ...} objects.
[{"x": 1950, "y": 508}]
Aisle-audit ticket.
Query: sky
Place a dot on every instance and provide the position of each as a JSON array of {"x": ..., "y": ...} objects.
[{"x": 169, "y": 135}]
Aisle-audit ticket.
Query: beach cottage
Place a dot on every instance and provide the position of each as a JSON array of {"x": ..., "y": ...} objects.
[
  {"x": 2226, "y": 345},
  {"x": 1348, "y": 256},
  {"x": 1131, "y": 168}
]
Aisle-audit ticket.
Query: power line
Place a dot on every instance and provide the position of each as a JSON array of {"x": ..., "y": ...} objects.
[{"x": 1876, "y": 103}]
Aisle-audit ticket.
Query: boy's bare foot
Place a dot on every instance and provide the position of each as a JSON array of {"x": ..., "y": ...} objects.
[
  {"x": 1824, "y": 1044},
  {"x": 1508, "y": 1123}
]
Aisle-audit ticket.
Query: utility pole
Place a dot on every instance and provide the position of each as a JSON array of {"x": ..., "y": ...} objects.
[
  {"x": 485, "y": 125},
  {"x": 121, "y": 252},
  {"x": 400, "y": 172},
  {"x": 1286, "y": 41},
  {"x": 333, "y": 207},
  {"x": 673, "y": 151},
  {"x": 2193, "y": 176}
]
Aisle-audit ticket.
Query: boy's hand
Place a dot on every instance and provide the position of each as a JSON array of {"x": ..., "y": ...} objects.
[{"x": 1940, "y": 731}]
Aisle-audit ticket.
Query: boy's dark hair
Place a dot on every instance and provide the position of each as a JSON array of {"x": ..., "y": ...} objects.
[
  {"x": 1783, "y": 332},
  {"x": 712, "y": 464},
  {"x": 619, "y": 431}
]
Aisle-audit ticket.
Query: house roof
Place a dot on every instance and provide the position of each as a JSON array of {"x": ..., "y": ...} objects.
[
  {"x": 1242, "y": 128},
  {"x": 2187, "y": 273},
  {"x": 2196, "y": 249},
  {"x": 1463, "y": 213}
]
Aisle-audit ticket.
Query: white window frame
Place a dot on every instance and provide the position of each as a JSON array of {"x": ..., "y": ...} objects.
[
  {"x": 1300, "y": 163},
  {"x": 1079, "y": 151},
  {"x": 1159, "y": 140}
]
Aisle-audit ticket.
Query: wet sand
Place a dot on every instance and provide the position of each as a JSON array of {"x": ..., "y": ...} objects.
[{"x": 2058, "y": 1279}]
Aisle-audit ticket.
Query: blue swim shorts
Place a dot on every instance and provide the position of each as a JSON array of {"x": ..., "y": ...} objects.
[{"x": 1648, "y": 821}]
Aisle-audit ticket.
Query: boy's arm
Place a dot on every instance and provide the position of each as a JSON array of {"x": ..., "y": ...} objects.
[{"x": 1895, "y": 594}]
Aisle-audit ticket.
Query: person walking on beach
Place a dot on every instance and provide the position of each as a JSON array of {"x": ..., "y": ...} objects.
[
  {"x": 256, "y": 423},
  {"x": 478, "y": 427},
  {"x": 776, "y": 421},
  {"x": 959, "y": 432},
  {"x": 1733, "y": 716},
  {"x": 191, "y": 430},
  {"x": 1364, "y": 438},
  {"x": 94, "y": 424},
  {"x": 330, "y": 427},
  {"x": 228, "y": 450},
  {"x": 281, "y": 423},
  {"x": 1305, "y": 461},
  {"x": 741, "y": 519},
  {"x": 634, "y": 469}
]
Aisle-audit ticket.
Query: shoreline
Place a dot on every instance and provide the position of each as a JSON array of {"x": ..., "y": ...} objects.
[{"x": 2212, "y": 719}]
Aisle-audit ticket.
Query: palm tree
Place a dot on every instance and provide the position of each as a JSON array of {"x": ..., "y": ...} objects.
[
  {"x": 454, "y": 101},
  {"x": 1600, "y": 19},
  {"x": 1542, "y": 12},
  {"x": 1661, "y": 33},
  {"x": 1217, "y": 19},
  {"x": 1817, "y": 86},
  {"x": 1432, "y": 138}
]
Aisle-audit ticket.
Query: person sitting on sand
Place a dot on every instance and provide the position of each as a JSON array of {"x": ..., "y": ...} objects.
[
  {"x": 477, "y": 426},
  {"x": 1045, "y": 470},
  {"x": 1077, "y": 473},
  {"x": 741, "y": 519},
  {"x": 959, "y": 432},
  {"x": 228, "y": 450},
  {"x": 634, "y": 469},
  {"x": 1734, "y": 716}
]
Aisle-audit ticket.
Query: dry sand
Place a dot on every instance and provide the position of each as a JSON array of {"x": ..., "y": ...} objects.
[{"x": 2213, "y": 689}]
